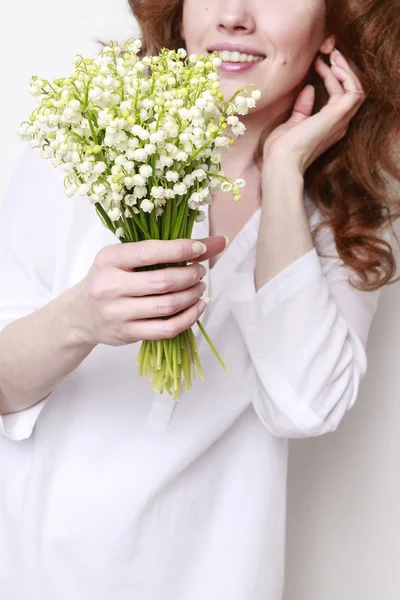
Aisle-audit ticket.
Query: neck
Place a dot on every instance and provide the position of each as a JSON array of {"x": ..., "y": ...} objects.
[{"x": 239, "y": 159}]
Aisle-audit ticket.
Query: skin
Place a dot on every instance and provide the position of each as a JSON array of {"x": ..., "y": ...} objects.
[
  {"x": 292, "y": 34},
  {"x": 114, "y": 304}
]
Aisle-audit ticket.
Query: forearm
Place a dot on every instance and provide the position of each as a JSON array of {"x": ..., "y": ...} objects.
[
  {"x": 38, "y": 351},
  {"x": 284, "y": 234}
]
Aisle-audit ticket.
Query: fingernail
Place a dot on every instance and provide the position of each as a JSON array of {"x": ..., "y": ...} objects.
[
  {"x": 203, "y": 270},
  {"x": 199, "y": 248},
  {"x": 204, "y": 303},
  {"x": 203, "y": 286},
  {"x": 226, "y": 240},
  {"x": 338, "y": 59},
  {"x": 334, "y": 53}
]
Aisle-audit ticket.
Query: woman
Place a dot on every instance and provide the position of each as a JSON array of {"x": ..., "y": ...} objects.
[{"x": 111, "y": 492}]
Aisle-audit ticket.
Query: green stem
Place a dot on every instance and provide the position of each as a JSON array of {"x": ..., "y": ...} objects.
[
  {"x": 174, "y": 213},
  {"x": 144, "y": 221},
  {"x": 182, "y": 232},
  {"x": 190, "y": 223},
  {"x": 143, "y": 228},
  {"x": 159, "y": 350},
  {"x": 196, "y": 355},
  {"x": 104, "y": 215},
  {"x": 185, "y": 365},
  {"x": 167, "y": 357},
  {"x": 166, "y": 220},
  {"x": 175, "y": 365},
  {"x": 179, "y": 219},
  {"x": 213, "y": 348},
  {"x": 153, "y": 225},
  {"x": 134, "y": 233}
]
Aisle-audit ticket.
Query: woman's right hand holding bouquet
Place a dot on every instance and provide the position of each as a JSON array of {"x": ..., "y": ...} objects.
[{"x": 119, "y": 305}]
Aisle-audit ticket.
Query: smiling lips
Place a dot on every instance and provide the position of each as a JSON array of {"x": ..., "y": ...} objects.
[{"x": 235, "y": 61}]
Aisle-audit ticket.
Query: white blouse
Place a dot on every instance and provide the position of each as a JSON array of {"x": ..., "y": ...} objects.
[{"x": 109, "y": 491}]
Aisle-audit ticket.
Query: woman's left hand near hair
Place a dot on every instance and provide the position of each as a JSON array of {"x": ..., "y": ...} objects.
[{"x": 304, "y": 136}]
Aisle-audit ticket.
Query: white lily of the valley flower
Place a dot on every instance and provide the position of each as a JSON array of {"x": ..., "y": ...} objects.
[
  {"x": 138, "y": 180},
  {"x": 140, "y": 191},
  {"x": 221, "y": 141},
  {"x": 238, "y": 129},
  {"x": 200, "y": 216},
  {"x": 157, "y": 191},
  {"x": 117, "y": 151},
  {"x": 239, "y": 182},
  {"x": 130, "y": 200},
  {"x": 172, "y": 176},
  {"x": 145, "y": 171},
  {"x": 181, "y": 156},
  {"x": 115, "y": 214},
  {"x": 99, "y": 167},
  {"x": 147, "y": 206},
  {"x": 100, "y": 189},
  {"x": 180, "y": 189}
]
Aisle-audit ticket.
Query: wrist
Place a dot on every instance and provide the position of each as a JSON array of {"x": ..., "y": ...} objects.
[
  {"x": 281, "y": 168},
  {"x": 282, "y": 187},
  {"x": 76, "y": 322}
]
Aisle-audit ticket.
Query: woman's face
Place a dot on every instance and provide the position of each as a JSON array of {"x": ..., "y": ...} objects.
[{"x": 289, "y": 33}]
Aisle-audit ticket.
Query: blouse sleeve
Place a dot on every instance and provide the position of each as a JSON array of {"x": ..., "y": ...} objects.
[
  {"x": 306, "y": 332},
  {"x": 32, "y": 214}
]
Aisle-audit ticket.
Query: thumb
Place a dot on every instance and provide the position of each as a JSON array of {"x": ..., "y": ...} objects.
[{"x": 304, "y": 105}]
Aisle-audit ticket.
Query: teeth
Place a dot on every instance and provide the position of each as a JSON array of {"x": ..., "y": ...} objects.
[{"x": 227, "y": 56}]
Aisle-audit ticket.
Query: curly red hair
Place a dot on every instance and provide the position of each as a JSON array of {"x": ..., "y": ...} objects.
[{"x": 354, "y": 182}]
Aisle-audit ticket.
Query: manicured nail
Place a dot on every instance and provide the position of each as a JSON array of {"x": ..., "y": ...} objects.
[
  {"x": 204, "y": 303},
  {"x": 199, "y": 248},
  {"x": 333, "y": 55},
  {"x": 203, "y": 270},
  {"x": 338, "y": 59}
]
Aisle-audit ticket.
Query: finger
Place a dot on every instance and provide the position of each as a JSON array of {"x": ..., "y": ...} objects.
[
  {"x": 163, "y": 305},
  {"x": 333, "y": 86},
  {"x": 159, "y": 281},
  {"x": 342, "y": 70},
  {"x": 133, "y": 255},
  {"x": 304, "y": 105},
  {"x": 215, "y": 245},
  {"x": 157, "y": 329}
]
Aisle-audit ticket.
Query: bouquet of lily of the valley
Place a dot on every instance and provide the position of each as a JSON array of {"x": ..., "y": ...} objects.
[{"x": 143, "y": 139}]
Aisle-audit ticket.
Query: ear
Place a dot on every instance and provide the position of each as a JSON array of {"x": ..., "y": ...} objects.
[{"x": 328, "y": 45}]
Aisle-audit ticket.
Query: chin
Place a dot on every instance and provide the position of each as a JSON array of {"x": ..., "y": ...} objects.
[{"x": 229, "y": 88}]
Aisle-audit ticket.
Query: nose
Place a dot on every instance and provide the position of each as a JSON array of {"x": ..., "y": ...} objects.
[{"x": 235, "y": 15}]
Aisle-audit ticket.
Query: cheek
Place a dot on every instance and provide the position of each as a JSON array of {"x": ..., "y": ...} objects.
[
  {"x": 293, "y": 38},
  {"x": 297, "y": 30},
  {"x": 295, "y": 45},
  {"x": 196, "y": 22}
]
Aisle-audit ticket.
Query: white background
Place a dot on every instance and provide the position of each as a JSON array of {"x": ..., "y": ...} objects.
[{"x": 343, "y": 538}]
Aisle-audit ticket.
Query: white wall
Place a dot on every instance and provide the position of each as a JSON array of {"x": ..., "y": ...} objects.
[
  {"x": 343, "y": 538},
  {"x": 41, "y": 37}
]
